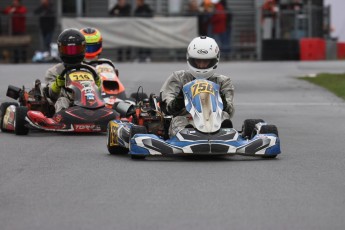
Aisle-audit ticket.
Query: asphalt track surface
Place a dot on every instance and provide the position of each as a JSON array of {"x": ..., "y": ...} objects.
[{"x": 56, "y": 181}]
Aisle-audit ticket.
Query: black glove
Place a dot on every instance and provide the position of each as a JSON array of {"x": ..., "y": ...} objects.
[{"x": 176, "y": 105}]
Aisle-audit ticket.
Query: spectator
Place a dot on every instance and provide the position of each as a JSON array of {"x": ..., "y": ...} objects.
[
  {"x": 193, "y": 8},
  {"x": 204, "y": 18},
  {"x": 143, "y": 10},
  {"x": 269, "y": 12},
  {"x": 227, "y": 36},
  {"x": 122, "y": 9},
  {"x": 18, "y": 20},
  {"x": 218, "y": 24},
  {"x": 47, "y": 22}
]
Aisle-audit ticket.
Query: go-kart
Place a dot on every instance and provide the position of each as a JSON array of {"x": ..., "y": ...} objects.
[
  {"x": 36, "y": 111},
  {"x": 147, "y": 134},
  {"x": 112, "y": 89}
]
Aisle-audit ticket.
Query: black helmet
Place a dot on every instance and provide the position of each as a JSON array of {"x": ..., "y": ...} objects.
[{"x": 72, "y": 45}]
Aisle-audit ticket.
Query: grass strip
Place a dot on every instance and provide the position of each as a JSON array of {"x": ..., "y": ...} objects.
[{"x": 333, "y": 82}]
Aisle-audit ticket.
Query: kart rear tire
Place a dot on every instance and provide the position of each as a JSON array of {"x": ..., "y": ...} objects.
[
  {"x": 248, "y": 127},
  {"x": 266, "y": 129},
  {"x": 3, "y": 108},
  {"x": 137, "y": 129},
  {"x": 20, "y": 122},
  {"x": 114, "y": 149}
]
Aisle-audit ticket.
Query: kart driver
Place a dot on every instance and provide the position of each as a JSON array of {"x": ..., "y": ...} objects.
[
  {"x": 202, "y": 59},
  {"x": 71, "y": 47},
  {"x": 94, "y": 48}
]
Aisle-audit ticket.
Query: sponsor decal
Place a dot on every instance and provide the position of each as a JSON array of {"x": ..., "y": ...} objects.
[
  {"x": 113, "y": 137},
  {"x": 87, "y": 127},
  {"x": 202, "y": 51}
]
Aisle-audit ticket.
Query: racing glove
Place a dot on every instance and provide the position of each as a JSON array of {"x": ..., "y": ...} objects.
[
  {"x": 176, "y": 105},
  {"x": 98, "y": 82},
  {"x": 57, "y": 84}
]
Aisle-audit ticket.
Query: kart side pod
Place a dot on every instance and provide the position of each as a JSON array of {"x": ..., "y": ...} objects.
[{"x": 13, "y": 92}]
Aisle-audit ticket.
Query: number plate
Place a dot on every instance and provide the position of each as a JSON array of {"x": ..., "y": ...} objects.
[
  {"x": 81, "y": 76},
  {"x": 202, "y": 87}
]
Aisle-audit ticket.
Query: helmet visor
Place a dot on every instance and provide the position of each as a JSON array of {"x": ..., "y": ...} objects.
[
  {"x": 202, "y": 63},
  {"x": 71, "y": 50},
  {"x": 91, "y": 48}
]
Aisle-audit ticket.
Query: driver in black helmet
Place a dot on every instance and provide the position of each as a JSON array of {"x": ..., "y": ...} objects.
[{"x": 71, "y": 46}]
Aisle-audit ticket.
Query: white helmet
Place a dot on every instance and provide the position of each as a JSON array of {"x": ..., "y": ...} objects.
[{"x": 203, "y": 48}]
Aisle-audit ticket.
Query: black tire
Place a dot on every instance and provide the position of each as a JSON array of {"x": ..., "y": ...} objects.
[
  {"x": 3, "y": 108},
  {"x": 137, "y": 129},
  {"x": 20, "y": 122},
  {"x": 266, "y": 129},
  {"x": 248, "y": 127},
  {"x": 114, "y": 149}
]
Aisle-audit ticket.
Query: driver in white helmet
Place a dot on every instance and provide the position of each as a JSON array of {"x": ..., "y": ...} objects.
[{"x": 202, "y": 59}]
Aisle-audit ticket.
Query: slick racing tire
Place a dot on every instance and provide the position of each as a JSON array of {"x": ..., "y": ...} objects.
[
  {"x": 3, "y": 108},
  {"x": 20, "y": 122},
  {"x": 248, "y": 127},
  {"x": 114, "y": 149},
  {"x": 137, "y": 129},
  {"x": 269, "y": 129}
]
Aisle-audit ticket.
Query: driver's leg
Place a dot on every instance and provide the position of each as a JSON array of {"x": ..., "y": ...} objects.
[{"x": 62, "y": 103}]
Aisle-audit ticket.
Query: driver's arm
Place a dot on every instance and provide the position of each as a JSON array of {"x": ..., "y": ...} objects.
[
  {"x": 172, "y": 96},
  {"x": 227, "y": 95}
]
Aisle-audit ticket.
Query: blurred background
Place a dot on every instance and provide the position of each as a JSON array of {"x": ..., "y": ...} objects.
[{"x": 160, "y": 30}]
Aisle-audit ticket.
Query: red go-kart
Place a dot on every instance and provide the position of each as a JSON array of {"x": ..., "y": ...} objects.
[{"x": 35, "y": 110}]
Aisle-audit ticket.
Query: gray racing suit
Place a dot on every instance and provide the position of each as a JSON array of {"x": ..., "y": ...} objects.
[{"x": 172, "y": 88}]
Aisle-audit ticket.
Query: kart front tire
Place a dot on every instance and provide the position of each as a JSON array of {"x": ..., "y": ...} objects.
[
  {"x": 116, "y": 149},
  {"x": 3, "y": 108},
  {"x": 248, "y": 127},
  {"x": 269, "y": 129},
  {"x": 20, "y": 122}
]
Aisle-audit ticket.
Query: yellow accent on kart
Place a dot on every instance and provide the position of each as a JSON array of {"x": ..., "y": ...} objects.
[
  {"x": 202, "y": 87},
  {"x": 81, "y": 76},
  {"x": 113, "y": 137}
]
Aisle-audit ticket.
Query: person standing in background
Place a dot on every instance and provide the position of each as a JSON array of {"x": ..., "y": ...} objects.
[
  {"x": 143, "y": 10},
  {"x": 219, "y": 24},
  {"x": 47, "y": 22},
  {"x": 122, "y": 9},
  {"x": 18, "y": 19}
]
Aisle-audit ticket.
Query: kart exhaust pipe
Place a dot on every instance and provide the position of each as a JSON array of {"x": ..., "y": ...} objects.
[{"x": 13, "y": 92}]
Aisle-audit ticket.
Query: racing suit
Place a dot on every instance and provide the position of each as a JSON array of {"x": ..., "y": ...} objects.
[
  {"x": 61, "y": 98},
  {"x": 172, "y": 98}
]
